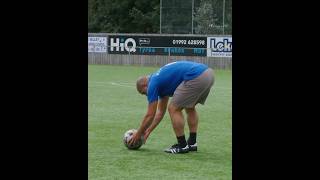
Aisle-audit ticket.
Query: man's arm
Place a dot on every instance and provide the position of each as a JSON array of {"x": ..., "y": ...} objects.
[
  {"x": 147, "y": 120},
  {"x": 162, "y": 107}
]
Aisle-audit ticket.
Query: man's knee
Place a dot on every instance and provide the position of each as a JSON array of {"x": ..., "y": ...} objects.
[
  {"x": 190, "y": 110},
  {"x": 173, "y": 108}
]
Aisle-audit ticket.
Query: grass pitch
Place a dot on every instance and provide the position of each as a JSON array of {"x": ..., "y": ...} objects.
[{"x": 115, "y": 106}]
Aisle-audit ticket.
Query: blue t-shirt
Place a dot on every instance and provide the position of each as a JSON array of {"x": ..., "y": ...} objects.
[{"x": 165, "y": 81}]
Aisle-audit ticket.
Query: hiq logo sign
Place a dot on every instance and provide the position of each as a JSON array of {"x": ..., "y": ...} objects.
[
  {"x": 219, "y": 46},
  {"x": 121, "y": 44}
]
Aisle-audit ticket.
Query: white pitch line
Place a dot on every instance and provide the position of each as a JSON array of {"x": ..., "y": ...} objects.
[
  {"x": 112, "y": 83},
  {"x": 117, "y": 84},
  {"x": 123, "y": 85}
]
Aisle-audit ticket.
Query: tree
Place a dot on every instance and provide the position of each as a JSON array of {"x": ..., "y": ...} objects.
[
  {"x": 228, "y": 17},
  {"x": 143, "y": 16},
  {"x": 176, "y": 16},
  {"x": 123, "y": 16},
  {"x": 206, "y": 19}
]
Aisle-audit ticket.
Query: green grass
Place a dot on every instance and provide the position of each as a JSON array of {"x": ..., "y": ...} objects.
[{"x": 115, "y": 106}]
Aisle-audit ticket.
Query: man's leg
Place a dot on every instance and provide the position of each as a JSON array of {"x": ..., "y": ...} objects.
[
  {"x": 177, "y": 121},
  {"x": 193, "y": 118}
]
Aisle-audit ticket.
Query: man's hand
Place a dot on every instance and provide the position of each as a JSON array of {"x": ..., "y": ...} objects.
[
  {"x": 147, "y": 120},
  {"x": 135, "y": 138},
  {"x": 162, "y": 106}
]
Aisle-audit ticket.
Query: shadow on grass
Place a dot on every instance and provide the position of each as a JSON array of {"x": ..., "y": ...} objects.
[{"x": 201, "y": 155}]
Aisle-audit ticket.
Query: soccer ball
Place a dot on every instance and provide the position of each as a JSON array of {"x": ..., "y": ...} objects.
[{"x": 128, "y": 135}]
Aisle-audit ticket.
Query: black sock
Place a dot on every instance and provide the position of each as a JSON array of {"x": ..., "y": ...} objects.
[
  {"x": 182, "y": 141},
  {"x": 192, "y": 138}
]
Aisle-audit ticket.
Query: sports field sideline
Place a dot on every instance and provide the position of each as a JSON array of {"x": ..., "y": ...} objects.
[{"x": 115, "y": 106}]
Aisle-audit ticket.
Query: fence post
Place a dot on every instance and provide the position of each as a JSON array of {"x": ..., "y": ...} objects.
[{"x": 224, "y": 4}]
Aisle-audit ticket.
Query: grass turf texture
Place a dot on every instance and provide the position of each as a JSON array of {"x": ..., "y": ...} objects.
[{"x": 115, "y": 106}]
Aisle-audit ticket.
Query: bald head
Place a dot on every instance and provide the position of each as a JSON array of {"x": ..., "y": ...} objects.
[{"x": 142, "y": 84}]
